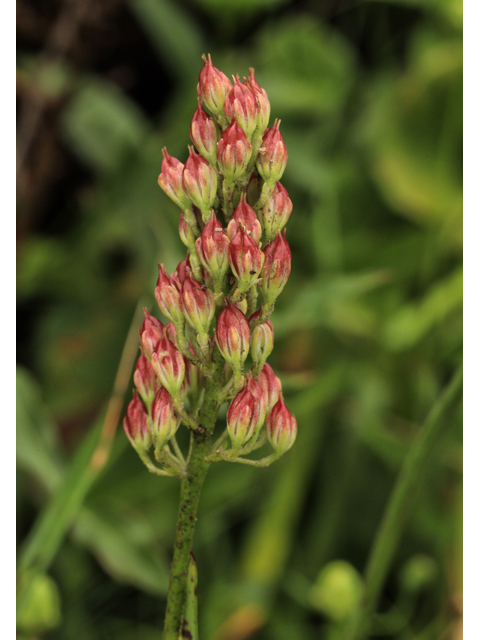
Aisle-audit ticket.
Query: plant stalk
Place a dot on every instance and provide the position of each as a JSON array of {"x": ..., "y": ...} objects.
[{"x": 197, "y": 467}]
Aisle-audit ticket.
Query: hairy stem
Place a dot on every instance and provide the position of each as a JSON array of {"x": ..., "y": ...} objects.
[{"x": 197, "y": 468}]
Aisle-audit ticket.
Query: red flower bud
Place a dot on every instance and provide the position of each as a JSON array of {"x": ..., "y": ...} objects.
[
  {"x": 245, "y": 258},
  {"x": 145, "y": 380},
  {"x": 261, "y": 342},
  {"x": 263, "y": 104},
  {"x": 271, "y": 386},
  {"x": 233, "y": 335},
  {"x": 204, "y": 134},
  {"x": 276, "y": 211},
  {"x": 246, "y": 413},
  {"x": 198, "y": 305},
  {"x": 240, "y": 103},
  {"x": 171, "y": 333},
  {"x": 244, "y": 216},
  {"x": 272, "y": 157},
  {"x": 168, "y": 297},
  {"x": 276, "y": 268},
  {"x": 136, "y": 425},
  {"x": 213, "y": 87},
  {"x": 150, "y": 334},
  {"x": 165, "y": 419},
  {"x": 233, "y": 152},
  {"x": 281, "y": 428},
  {"x": 199, "y": 181},
  {"x": 212, "y": 248},
  {"x": 182, "y": 271},
  {"x": 170, "y": 179},
  {"x": 169, "y": 366}
]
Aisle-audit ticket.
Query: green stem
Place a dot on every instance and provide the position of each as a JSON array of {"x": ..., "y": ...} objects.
[
  {"x": 399, "y": 505},
  {"x": 189, "y": 498}
]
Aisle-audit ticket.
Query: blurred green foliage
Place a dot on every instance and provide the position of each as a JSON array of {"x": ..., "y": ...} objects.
[{"x": 368, "y": 330}]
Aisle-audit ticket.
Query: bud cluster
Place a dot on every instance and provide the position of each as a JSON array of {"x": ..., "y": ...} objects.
[{"x": 233, "y": 216}]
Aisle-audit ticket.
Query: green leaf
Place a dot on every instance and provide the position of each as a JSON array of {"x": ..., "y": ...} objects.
[
  {"x": 102, "y": 125},
  {"x": 37, "y": 451}
]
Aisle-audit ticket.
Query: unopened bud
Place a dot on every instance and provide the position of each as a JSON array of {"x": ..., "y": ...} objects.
[
  {"x": 245, "y": 217},
  {"x": 261, "y": 343},
  {"x": 245, "y": 258},
  {"x": 271, "y": 386},
  {"x": 170, "y": 179},
  {"x": 281, "y": 428},
  {"x": 198, "y": 305},
  {"x": 136, "y": 425},
  {"x": 246, "y": 413},
  {"x": 168, "y": 297},
  {"x": 240, "y": 103},
  {"x": 145, "y": 380},
  {"x": 186, "y": 232},
  {"x": 199, "y": 181},
  {"x": 213, "y": 87},
  {"x": 151, "y": 333},
  {"x": 182, "y": 271},
  {"x": 169, "y": 366},
  {"x": 204, "y": 134},
  {"x": 276, "y": 268},
  {"x": 276, "y": 211},
  {"x": 272, "y": 157},
  {"x": 233, "y": 336},
  {"x": 233, "y": 152},
  {"x": 212, "y": 249},
  {"x": 165, "y": 419},
  {"x": 263, "y": 104}
]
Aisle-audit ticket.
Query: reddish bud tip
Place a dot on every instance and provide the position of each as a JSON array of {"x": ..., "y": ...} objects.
[
  {"x": 245, "y": 258},
  {"x": 246, "y": 413},
  {"x": 233, "y": 152},
  {"x": 263, "y": 104},
  {"x": 165, "y": 419},
  {"x": 169, "y": 366},
  {"x": 170, "y": 180},
  {"x": 150, "y": 333},
  {"x": 276, "y": 268},
  {"x": 245, "y": 217},
  {"x": 276, "y": 211},
  {"x": 204, "y": 134},
  {"x": 261, "y": 343},
  {"x": 212, "y": 248},
  {"x": 168, "y": 297},
  {"x": 198, "y": 305},
  {"x": 233, "y": 336},
  {"x": 135, "y": 423},
  {"x": 240, "y": 103},
  {"x": 271, "y": 386},
  {"x": 281, "y": 427},
  {"x": 145, "y": 380},
  {"x": 213, "y": 87},
  {"x": 199, "y": 181},
  {"x": 273, "y": 156}
]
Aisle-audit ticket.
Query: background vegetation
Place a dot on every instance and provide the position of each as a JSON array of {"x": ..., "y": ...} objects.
[{"x": 368, "y": 330}]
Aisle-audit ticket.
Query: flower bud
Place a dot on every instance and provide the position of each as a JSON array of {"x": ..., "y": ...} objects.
[
  {"x": 233, "y": 336},
  {"x": 263, "y": 104},
  {"x": 246, "y": 413},
  {"x": 276, "y": 268},
  {"x": 276, "y": 211},
  {"x": 169, "y": 366},
  {"x": 171, "y": 333},
  {"x": 150, "y": 334},
  {"x": 199, "y": 181},
  {"x": 245, "y": 217},
  {"x": 271, "y": 386},
  {"x": 281, "y": 428},
  {"x": 170, "y": 179},
  {"x": 245, "y": 258},
  {"x": 204, "y": 134},
  {"x": 272, "y": 156},
  {"x": 165, "y": 419},
  {"x": 212, "y": 248},
  {"x": 233, "y": 152},
  {"x": 198, "y": 305},
  {"x": 145, "y": 380},
  {"x": 261, "y": 342},
  {"x": 182, "y": 271},
  {"x": 213, "y": 87},
  {"x": 186, "y": 232},
  {"x": 136, "y": 425},
  {"x": 168, "y": 297},
  {"x": 240, "y": 103}
]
